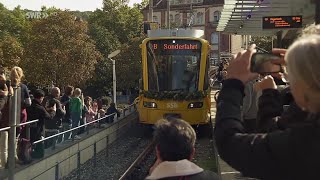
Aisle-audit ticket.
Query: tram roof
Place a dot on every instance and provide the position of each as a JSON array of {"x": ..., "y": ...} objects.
[
  {"x": 193, "y": 33},
  {"x": 234, "y": 19}
]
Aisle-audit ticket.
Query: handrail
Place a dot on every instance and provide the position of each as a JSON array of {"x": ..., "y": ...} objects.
[
  {"x": 18, "y": 125},
  {"x": 78, "y": 127},
  {"x": 4, "y": 129},
  {"x": 28, "y": 122},
  {"x": 69, "y": 130}
]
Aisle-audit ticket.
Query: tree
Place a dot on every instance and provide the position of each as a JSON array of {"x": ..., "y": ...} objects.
[
  {"x": 117, "y": 17},
  {"x": 116, "y": 26},
  {"x": 60, "y": 51},
  {"x": 14, "y": 23},
  {"x": 14, "y": 32},
  {"x": 128, "y": 70},
  {"x": 106, "y": 41},
  {"x": 264, "y": 42},
  {"x": 141, "y": 5},
  {"x": 128, "y": 64},
  {"x": 11, "y": 51}
]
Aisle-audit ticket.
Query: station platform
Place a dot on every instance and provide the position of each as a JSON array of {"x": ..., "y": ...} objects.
[
  {"x": 69, "y": 155},
  {"x": 226, "y": 172}
]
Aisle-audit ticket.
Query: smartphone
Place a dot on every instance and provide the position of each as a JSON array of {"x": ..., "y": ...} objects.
[{"x": 262, "y": 63}]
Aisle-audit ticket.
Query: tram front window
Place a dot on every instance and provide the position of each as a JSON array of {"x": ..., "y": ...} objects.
[{"x": 173, "y": 65}]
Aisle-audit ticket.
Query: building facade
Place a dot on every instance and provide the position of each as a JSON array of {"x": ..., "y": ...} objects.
[{"x": 195, "y": 14}]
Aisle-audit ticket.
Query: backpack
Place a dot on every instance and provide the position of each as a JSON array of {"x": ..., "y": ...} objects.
[{"x": 24, "y": 150}]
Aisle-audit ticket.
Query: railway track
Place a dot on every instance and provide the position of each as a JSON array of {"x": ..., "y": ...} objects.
[{"x": 139, "y": 168}]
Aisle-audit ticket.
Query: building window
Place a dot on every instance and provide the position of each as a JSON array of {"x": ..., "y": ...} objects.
[
  {"x": 215, "y": 38},
  {"x": 177, "y": 18},
  {"x": 188, "y": 1},
  {"x": 216, "y": 16},
  {"x": 155, "y": 19},
  {"x": 199, "y": 18}
]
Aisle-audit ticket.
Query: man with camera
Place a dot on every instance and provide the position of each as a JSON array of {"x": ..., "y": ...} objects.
[{"x": 43, "y": 114}]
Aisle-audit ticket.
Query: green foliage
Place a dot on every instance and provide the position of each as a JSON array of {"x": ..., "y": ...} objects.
[
  {"x": 106, "y": 40},
  {"x": 176, "y": 96},
  {"x": 60, "y": 51},
  {"x": 116, "y": 16},
  {"x": 14, "y": 29},
  {"x": 116, "y": 26},
  {"x": 66, "y": 51},
  {"x": 11, "y": 51},
  {"x": 264, "y": 42},
  {"x": 128, "y": 65},
  {"x": 141, "y": 5},
  {"x": 14, "y": 23}
]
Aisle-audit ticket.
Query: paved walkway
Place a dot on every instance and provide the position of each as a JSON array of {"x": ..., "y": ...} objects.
[{"x": 227, "y": 172}]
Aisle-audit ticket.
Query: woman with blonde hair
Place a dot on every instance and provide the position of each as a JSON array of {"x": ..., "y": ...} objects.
[
  {"x": 16, "y": 80},
  {"x": 290, "y": 153}
]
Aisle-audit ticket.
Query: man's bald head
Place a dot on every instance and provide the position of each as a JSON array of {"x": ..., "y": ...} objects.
[{"x": 55, "y": 92}]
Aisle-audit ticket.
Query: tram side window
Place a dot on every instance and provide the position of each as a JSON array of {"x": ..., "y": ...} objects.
[{"x": 152, "y": 71}]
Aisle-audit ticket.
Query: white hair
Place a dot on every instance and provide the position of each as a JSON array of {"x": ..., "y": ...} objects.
[
  {"x": 303, "y": 62},
  {"x": 311, "y": 30}
]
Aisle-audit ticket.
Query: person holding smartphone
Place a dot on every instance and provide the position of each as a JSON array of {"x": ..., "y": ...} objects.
[{"x": 291, "y": 153}]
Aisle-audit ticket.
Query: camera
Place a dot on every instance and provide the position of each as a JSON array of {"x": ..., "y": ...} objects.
[{"x": 262, "y": 63}]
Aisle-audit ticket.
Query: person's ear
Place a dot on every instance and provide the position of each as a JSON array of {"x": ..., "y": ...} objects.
[
  {"x": 192, "y": 154},
  {"x": 158, "y": 152}
]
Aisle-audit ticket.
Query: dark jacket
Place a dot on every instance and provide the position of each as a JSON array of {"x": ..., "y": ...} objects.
[
  {"x": 112, "y": 110},
  {"x": 65, "y": 100},
  {"x": 55, "y": 123},
  {"x": 271, "y": 115},
  {"x": 4, "y": 112},
  {"x": 37, "y": 111},
  {"x": 287, "y": 154},
  {"x": 205, "y": 175}
]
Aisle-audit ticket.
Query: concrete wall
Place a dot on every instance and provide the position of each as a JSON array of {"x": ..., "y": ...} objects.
[{"x": 67, "y": 156}]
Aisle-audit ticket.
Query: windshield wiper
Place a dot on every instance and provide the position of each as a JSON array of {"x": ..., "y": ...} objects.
[{"x": 179, "y": 90}]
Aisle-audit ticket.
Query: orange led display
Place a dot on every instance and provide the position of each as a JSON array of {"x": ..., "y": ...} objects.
[{"x": 281, "y": 22}]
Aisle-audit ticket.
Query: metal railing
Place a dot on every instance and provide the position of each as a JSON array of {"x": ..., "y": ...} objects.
[
  {"x": 84, "y": 125},
  {"x": 14, "y": 110},
  {"x": 56, "y": 167},
  {"x": 18, "y": 125}
]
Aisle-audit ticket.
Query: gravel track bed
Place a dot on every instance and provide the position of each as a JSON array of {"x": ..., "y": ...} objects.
[
  {"x": 122, "y": 153},
  {"x": 204, "y": 155},
  {"x": 142, "y": 171}
]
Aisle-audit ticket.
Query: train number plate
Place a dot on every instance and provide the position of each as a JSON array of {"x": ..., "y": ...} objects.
[{"x": 172, "y": 105}]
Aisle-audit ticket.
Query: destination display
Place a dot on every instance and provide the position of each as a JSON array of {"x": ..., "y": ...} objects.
[
  {"x": 175, "y": 44},
  {"x": 281, "y": 22},
  {"x": 175, "y": 47}
]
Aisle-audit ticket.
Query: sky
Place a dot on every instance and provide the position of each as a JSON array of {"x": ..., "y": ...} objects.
[{"x": 81, "y": 5}]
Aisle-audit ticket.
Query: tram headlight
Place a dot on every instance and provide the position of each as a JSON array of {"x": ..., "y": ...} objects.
[
  {"x": 150, "y": 104},
  {"x": 195, "y": 105}
]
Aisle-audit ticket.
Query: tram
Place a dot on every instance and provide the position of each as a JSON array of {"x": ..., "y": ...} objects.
[{"x": 175, "y": 81}]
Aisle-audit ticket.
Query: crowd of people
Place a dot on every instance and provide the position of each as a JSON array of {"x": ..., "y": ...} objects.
[
  {"x": 262, "y": 131},
  {"x": 55, "y": 114}
]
